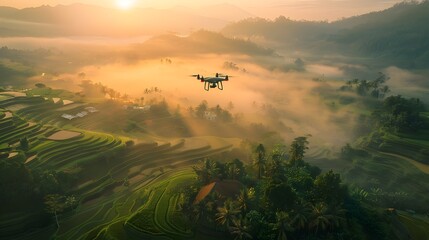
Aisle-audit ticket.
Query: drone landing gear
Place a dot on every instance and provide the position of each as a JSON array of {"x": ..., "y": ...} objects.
[
  {"x": 208, "y": 85},
  {"x": 220, "y": 85}
]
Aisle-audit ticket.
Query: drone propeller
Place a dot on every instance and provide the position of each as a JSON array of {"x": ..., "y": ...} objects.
[
  {"x": 195, "y": 75},
  {"x": 223, "y": 75},
  {"x": 226, "y": 77},
  {"x": 220, "y": 75}
]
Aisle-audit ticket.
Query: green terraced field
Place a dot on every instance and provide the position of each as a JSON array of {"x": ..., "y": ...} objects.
[
  {"x": 148, "y": 204},
  {"x": 159, "y": 215}
]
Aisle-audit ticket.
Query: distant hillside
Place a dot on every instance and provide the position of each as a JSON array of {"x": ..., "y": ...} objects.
[
  {"x": 200, "y": 42},
  {"x": 396, "y": 36},
  {"x": 400, "y": 35},
  {"x": 286, "y": 32},
  {"x": 87, "y": 20},
  {"x": 16, "y": 66}
]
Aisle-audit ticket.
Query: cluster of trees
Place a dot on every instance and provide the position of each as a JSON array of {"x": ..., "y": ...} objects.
[
  {"x": 375, "y": 88},
  {"x": 221, "y": 114},
  {"x": 399, "y": 114},
  {"x": 98, "y": 90},
  {"x": 232, "y": 66},
  {"x": 152, "y": 90},
  {"x": 22, "y": 188},
  {"x": 166, "y": 60},
  {"x": 282, "y": 197}
]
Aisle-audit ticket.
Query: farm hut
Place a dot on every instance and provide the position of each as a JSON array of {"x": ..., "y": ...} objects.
[
  {"x": 82, "y": 114},
  {"x": 56, "y": 100},
  {"x": 210, "y": 115},
  {"x": 226, "y": 188},
  {"x": 67, "y": 102},
  {"x": 68, "y": 116},
  {"x": 91, "y": 109}
]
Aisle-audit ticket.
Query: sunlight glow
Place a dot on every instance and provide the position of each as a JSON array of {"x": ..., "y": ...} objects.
[{"x": 125, "y": 4}]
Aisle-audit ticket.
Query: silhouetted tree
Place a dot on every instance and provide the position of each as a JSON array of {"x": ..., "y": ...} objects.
[
  {"x": 244, "y": 198},
  {"x": 24, "y": 143},
  {"x": 282, "y": 225},
  {"x": 300, "y": 216},
  {"x": 260, "y": 160},
  {"x": 201, "y": 109},
  {"x": 40, "y": 85},
  {"x": 55, "y": 204},
  {"x": 297, "y": 151}
]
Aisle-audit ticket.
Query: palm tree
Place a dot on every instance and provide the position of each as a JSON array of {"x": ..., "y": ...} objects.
[
  {"x": 300, "y": 216},
  {"x": 198, "y": 212},
  {"x": 320, "y": 219},
  {"x": 234, "y": 169},
  {"x": 207, "y": 171},
  {"x": 244, "y": 198},
  {"x": 336, "y": 216},
  {"x": 260, "y": 159},
  {"x": 239, "y": 229},
  {"x": 283, "y": 225},
  {"x": 227, "y": 213},
  {"x": 297, "y": 150}
]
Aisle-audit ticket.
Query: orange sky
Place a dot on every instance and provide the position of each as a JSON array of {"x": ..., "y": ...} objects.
[{"x": 295, "y": 9}]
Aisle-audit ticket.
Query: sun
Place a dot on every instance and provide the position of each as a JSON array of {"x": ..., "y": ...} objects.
[{"x": 125, "y": 4}]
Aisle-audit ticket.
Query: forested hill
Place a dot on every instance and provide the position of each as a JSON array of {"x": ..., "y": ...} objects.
[{"x": 397, "y": 36}]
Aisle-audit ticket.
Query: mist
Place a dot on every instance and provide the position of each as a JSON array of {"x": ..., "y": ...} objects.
[
  {"x": 284, "y": 99},
  {"x": 279, "y": 100}
]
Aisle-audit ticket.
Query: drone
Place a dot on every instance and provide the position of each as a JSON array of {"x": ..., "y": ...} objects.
[{"x": 212, "y": 82}]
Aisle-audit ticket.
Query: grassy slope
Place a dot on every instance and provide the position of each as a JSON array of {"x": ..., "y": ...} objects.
[{"x": 417, "y": 225}]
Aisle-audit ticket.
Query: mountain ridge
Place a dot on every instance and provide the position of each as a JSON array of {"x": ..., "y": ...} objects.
[
  {"x": 92, "y": 20},
  {"x": 396, "y": 36}
]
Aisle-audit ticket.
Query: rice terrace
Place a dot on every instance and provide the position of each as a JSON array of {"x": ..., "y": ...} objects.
[
  {"x": 143, "y": 183},
  {"x": 115, "y": 123}
]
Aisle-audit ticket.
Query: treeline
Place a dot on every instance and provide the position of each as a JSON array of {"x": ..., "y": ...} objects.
[
  {"x": 375, "y": 88},
  {"x": 399, "y": 114},
  {"x": 281, "y": 197},
  {"x": 388, "y": 113}
]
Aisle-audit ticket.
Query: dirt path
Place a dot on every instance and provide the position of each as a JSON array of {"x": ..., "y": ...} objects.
[
  {"x": 421, "y": 166},
  {"x": 14, "y": 94},
  {"x": 30, "y": 159}
]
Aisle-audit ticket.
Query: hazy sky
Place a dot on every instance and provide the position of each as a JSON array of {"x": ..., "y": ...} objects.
[{"x": 295, "y": 9}]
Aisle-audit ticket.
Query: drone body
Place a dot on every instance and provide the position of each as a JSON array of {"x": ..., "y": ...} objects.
[{"x": 212, "y": 82}]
